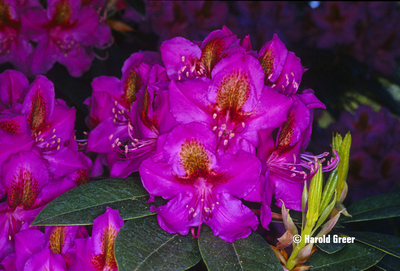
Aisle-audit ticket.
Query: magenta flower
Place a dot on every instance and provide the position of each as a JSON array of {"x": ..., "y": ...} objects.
[
  {"x": 282, "y": 69},
  {"x": 13, "y": 88},
  {"x": 35, "y": 250},
  {"x": 124, "y": 115},
  {"x": 234, "y": 103},
  {"x": 285, "y": 162},
  {"x": 97, "y": 252},
  {"x": 14, "y": 45},
  {"x": 65, "y": 33},
  {"x": 185, "y": 60},
  {"x": 151, "y": 119},
  {"x": 24, "y": 176},
  {"x": 203, "y": 187}
]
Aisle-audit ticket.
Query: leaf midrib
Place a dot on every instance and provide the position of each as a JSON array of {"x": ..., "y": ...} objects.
[
  {"x": 156, "y": 250},
  {"x": 80, "y": 209}
]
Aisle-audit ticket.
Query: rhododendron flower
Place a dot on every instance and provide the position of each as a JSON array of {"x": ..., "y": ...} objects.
[
  {"x": 24, "y": 179},
  {"x": 14, "y": 45},
  {"x": 203, "y": 187},
  {"x": 65, "y": 33},
  {"x": 113, "y": 101},
  {"x": 35, "y": 250},
  {"x": 150, "y": 119},
  {"x": 13, "y": 87},
  {"x": 235, "y": 104},
  {"x": 282, "y": 69},
  {"x": 97, "y": 252},
  {"x": 285, "y": 162},
  {"x": 185, "y": 60}
]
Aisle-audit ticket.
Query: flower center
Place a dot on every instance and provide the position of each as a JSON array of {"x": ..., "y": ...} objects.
[
  {"x": 212, "y": 54},
  {"x": 37, "y": 114},
  {"x": 132, "y": 84},
  {"x": 23, "y": 190},
  {"x": 63, "y": 13},
  {"x": 57, "y": 239},
  {"x": 233, "y": 92},
  {"x": 194, "y": 158},
  {"x": 106, "y": 258},
  {"x": 267, "y": 61}
]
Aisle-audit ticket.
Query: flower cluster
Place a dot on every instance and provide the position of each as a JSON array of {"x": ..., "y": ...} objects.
[
  {"x": 207, "y": 124},
  {"x": 39, "y": 158},
  {"x": 67, "y": 247},
  {"x": 353, "y": 28},
  {"x": 33, "y": 38},
  {"x": 356, "y": 28}
]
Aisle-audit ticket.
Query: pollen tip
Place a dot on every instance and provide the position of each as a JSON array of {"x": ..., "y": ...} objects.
[{"x": 225, "y": 142}]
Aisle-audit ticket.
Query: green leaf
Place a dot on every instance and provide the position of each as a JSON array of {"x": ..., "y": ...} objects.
[
  {"x": 81, "y": 205},
  {"x": 142, "y": 245},
  {"x": 375, "y": 207},
  {"x": 251, "y": 253},
  {"x": 139, "y": 6},
  {"x": 331, "y": 247},
  {"x": 355, "y": 257},
  {"x": 389, "y": 263},
  {"x": 387, "y": 243}
]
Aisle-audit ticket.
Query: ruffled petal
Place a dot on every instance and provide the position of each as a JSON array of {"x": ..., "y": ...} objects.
[
  {"x": 174, "y": 216},
  {"x": 231, "y": 219}
]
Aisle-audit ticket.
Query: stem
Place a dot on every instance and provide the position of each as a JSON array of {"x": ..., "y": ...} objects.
[{"x": 292, "y": 261}]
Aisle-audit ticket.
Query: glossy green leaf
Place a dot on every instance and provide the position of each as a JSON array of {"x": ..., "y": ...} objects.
[
  {"x": 387, "y": 243},
  {"x": 251, "y": 253},
  {"x": 389, "y": 263},
  {"x": 139, "y": 6},
  {"x": 142, "y": 245},
  {"x": 353, "y": 257},
  {"x": 330, "y": 247},
  {"x": 375, "y": 207},
  {"x": 81, "y": 205}
]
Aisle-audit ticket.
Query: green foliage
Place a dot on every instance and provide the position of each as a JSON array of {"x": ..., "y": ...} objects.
[
  {"x": 389, "y": 263},
  {"x": 142, "y": 245},
  {"x": 81, "y": 205},
  {"x": 330, "y": 247},
  {"x": 375, "y": 207},
  {"x": 251, "y": 253},
  {"x": 352, "y": 257},
  {"x": 387, "y": 243}
]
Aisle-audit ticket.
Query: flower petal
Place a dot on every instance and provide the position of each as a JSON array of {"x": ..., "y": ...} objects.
[{"x": 231, "y": 219}]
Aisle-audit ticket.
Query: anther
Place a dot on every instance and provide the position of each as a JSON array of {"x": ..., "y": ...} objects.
[
  {"x": 214, "y": 115},
  {"x": 214, "y": 128},
  {"x": 231, "y": 135},
  {"x": 225, "y": 142},
  {"x": 111, "y": 136},
  {"x": 269, "y": 76},
  {"x": 183, "y": 58}
]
